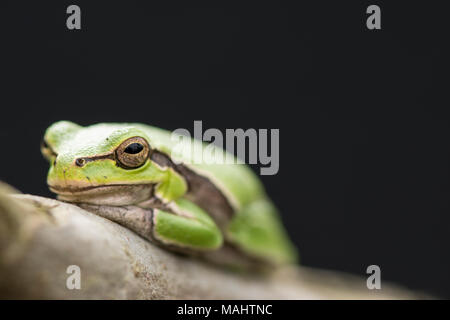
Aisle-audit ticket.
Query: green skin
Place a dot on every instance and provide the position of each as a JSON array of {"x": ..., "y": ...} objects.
[{"x": 155, "y": 199}]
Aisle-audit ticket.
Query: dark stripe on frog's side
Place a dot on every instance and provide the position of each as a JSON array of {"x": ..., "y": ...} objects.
[
  {"x": 201, "y": 190},
  {"x": 109, "y": 155},
  {"x": 80, "y": 162}
]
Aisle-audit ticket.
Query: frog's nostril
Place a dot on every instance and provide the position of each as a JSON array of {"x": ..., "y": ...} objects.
[{"x": 80, "y": 162}]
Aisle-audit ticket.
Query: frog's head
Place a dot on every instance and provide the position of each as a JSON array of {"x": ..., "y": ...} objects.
[{"x": 100, "y": 164}]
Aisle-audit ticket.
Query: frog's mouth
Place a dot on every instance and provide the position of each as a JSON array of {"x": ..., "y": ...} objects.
[{"x": 110, "y": 195}]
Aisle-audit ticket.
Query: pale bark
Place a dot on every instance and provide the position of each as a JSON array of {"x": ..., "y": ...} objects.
[{"x": 40, "y": 238}]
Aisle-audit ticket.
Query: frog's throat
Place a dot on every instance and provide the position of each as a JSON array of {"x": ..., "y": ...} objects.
[{"x": 111, "y": 195}]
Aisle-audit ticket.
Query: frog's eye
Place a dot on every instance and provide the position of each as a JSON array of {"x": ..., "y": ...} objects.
[{"x": 132, "y": 153}]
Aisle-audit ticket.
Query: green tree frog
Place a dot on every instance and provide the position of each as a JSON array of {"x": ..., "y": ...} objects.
[{"x": 126, "y": 173}]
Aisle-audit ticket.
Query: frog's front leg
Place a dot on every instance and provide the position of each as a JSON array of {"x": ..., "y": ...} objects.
[
  {"x": 182, "y": 224},
  {"x": 186, "y": 225}
]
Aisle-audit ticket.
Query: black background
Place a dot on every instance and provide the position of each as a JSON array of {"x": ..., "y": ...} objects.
[{"x": 363, "y": 115}]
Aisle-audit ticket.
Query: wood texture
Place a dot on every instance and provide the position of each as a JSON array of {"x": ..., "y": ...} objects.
[{"x": 40, "y": 238}]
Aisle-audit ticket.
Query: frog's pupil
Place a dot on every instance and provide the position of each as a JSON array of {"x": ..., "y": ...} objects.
[{"x": 134, "y": 148}]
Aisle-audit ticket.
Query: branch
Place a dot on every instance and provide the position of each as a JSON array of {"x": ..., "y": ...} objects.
[{"x": 40, "y": 238}]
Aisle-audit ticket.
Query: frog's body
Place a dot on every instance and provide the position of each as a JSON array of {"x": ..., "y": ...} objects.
[{"x": 130, "y": 173}]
